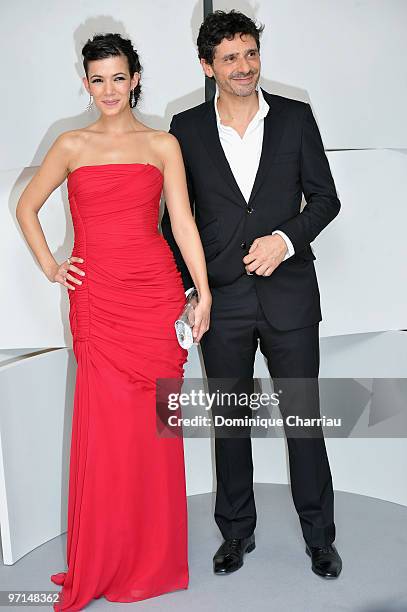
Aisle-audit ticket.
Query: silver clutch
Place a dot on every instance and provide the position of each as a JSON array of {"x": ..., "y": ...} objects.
[{"x": 186, "y": 321}]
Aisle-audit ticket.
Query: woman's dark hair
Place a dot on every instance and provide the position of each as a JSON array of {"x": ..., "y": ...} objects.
[
  {"x": 108, "y": 45},
  {"x": 220, "y": 25}
]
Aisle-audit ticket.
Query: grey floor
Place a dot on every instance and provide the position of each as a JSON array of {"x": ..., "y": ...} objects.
[{"x": 371, "y": 538}]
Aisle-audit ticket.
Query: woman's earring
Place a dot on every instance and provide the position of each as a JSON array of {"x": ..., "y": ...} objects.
[
  {"x": 132, "y": 99},
  {"x": 89, "y": 106}
]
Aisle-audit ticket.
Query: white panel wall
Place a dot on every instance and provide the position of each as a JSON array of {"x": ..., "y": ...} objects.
[
  {"x": 360, "y": 262},
  {"x": 41, "y": 90},
  {"x": 35, "y": 428},
  {"x": 369, "y": 466},
  {"x": 362, "y": 254},
  {"x": 344, "y": 59},
  {"x": 33, "y": 311},
  {"x": 35, "y": 432},
  {"x": 347, "y": 58},
  {"x": 43, "y": 95}
]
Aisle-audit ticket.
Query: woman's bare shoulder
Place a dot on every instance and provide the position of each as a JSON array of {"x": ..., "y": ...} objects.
[
  {"x": 72, "y": 140},
  {"x": 164, "y": 142}
]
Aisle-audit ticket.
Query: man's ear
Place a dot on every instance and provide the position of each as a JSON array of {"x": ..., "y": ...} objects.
[{"x": 207, "y": 68}]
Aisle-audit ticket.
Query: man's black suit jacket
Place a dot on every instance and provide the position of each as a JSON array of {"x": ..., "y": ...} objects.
[{"x": 292, "y": 162}]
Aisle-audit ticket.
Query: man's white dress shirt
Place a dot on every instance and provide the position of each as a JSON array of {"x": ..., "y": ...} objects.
[{"x": 243, "y": 154}]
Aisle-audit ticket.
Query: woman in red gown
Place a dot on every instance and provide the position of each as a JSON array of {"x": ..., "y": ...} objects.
[{"x": 127, "y": 521}]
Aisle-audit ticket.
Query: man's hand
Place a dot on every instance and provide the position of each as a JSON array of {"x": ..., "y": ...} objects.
[{"x": 265, "y": 254}]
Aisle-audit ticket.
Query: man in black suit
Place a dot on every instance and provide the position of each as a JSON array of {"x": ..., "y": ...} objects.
[{"x": 249, "y": 155}]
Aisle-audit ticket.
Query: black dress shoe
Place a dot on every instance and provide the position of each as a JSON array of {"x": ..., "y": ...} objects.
[
  {"x": 326, "y": 561},
  {"x": 229, "y": 557}
]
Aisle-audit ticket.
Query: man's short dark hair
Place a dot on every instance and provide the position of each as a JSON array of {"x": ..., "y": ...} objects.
[{"x": 220, "y": 25}]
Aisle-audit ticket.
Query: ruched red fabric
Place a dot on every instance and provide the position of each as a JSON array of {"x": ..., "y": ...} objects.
[{"x": 127, "y": 515}]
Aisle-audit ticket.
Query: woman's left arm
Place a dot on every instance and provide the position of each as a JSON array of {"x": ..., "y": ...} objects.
[{"x": 184, "y": 228}]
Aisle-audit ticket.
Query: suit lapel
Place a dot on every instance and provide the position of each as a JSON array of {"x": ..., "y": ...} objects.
[
  {"x": 272, "y": 134},
  {"x": 209, "y": 133}
]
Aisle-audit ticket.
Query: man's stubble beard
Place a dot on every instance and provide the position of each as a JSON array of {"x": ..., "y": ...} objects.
[{"x": 245, "y": 92}]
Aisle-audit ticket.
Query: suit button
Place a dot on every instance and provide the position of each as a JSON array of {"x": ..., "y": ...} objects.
[
  {"x": 249, "y": 210},
  {"x": 243, "y": 245}
]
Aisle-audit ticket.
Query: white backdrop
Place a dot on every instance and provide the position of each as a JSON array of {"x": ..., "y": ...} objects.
[
  {"x": 360, "y": 256},
  {"x": 347, "y": 59},
  {"x": 41, "y": 90}
]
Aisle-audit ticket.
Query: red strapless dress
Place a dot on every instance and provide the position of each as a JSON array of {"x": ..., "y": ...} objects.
[{"x": 127, "y": 515}]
